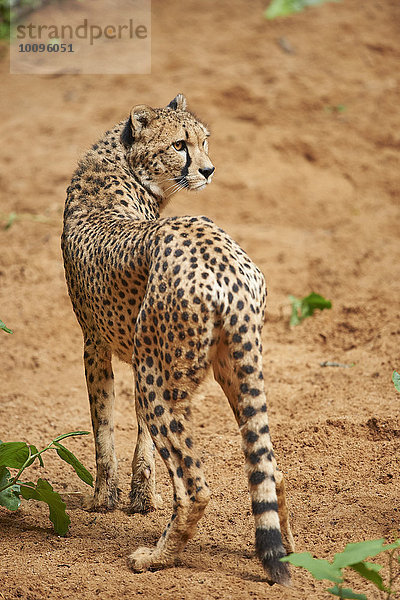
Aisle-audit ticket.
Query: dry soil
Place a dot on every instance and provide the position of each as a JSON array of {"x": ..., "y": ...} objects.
[{"x": 305, "y": 121}]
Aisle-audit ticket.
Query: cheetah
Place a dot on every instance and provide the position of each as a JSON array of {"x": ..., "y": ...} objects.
[{"x": 173, "y": 297}]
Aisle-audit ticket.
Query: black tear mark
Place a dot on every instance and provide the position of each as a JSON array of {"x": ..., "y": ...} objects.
[{"x": 185, "y": 169}]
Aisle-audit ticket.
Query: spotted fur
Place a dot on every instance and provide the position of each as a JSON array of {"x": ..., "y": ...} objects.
[{"x": 173, "y": 297}]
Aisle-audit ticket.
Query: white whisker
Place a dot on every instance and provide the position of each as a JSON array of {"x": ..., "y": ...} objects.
[
  {"x": 176, "y": 184},
  {"x": 173, "y": 190}
]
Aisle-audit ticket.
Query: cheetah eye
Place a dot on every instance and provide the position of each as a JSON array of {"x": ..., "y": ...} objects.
[{"x": 179, "y": 145}]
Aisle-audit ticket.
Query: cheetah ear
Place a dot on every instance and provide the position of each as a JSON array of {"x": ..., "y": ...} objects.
[
  {"x": 178, "y": 103},
  {"x": 141, "y": 116}
]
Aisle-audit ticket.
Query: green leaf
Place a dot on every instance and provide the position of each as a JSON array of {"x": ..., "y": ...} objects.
[
  {"x": 312, "y": 302},
  {"x": 393, "y": 546},
  {"x": 396, "y": 380},
  {"x": 3, "y": 327},
  {"x": 71, "y": 459},
  {"x": 305, "y": 307},
  {"x": 345, "y": 593},
  {"x": 355, "y": 553},
  {"x": 362, "y": 569},
  {"x": 373, "y": 566},
  {"x": 319, "y": 568},
  {"x": 71, "y": 434},
  {"x": 8, "y": 497},
  {"x": 282, "y": 8},
  {"x": 13, "y": 454},
  {"x": 44, "y": 493}
]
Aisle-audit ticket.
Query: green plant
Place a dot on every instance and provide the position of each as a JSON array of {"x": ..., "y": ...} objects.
[
  {"x": 12, "y": 10},
  {"x": 396, "y": 380},
  {"x": 19, "y": 456},
  {"x": 3, "y": 327},
  {"x": 305, "y": 307},
  {"x": 336, "y": 109},
  {"x": 4, "y": 19},
  {"x": 352, "y": 557},
  {"x": 13, "y": 217},
  {"x": 282, "y": 8}
]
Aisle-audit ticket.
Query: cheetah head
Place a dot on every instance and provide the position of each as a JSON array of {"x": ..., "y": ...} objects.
[{"x": 168, "y": 148}]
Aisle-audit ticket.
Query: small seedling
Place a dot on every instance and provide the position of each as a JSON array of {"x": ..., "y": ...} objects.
[
  {"x": 336, "y": 109},
  {"x": 305, "y": 307},
  {"x": 13, "y": 217},
  {"x": 352, "y": 557},
  {"x": 396, "y": 380},
  {"x": 283, "y": 8},
  {"x": 3, "y": 327},
  {"x": 19, "y": 456}
]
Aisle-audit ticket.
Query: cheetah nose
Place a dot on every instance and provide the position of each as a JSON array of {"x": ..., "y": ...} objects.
[{"x": 207, "y": 172}]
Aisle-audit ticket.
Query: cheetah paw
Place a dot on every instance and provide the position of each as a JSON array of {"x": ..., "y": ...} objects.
[
  {"x": 143, "y": 560},
  {"x": 101, "y": 502},
  {"x": 144, "y": 503}
]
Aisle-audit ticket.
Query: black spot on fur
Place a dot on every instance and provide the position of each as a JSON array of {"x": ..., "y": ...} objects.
[{"x": 127, "y": 138}]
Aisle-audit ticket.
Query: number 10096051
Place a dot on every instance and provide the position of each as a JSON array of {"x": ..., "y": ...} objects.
[{"x": 45, "y": 48}]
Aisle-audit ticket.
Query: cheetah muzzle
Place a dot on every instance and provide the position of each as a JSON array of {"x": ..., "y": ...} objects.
[{"x": 172, "y": 297}]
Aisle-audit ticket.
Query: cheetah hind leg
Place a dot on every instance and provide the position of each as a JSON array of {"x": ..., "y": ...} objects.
[
  {"x": 171, "y": 434},
  {"x": 165, "y": 406},
  {"x": 283, "y": 511},
  {"x": 143, "y": 497}
]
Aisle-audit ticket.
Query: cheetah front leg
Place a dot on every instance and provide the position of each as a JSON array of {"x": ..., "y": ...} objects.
[
  {"x": 100, "y": 385},
  {"x": 143, "y": 497}
]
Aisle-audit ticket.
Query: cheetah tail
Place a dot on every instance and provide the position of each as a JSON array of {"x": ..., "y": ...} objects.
[
  {"x": 261, "y": 468},
  {"x": 238, "y": 370}
]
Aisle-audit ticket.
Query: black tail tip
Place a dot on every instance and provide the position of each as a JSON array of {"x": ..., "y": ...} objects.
[
  {"x": 277, "y": 571},
  {"x": 270, "y": 549}
]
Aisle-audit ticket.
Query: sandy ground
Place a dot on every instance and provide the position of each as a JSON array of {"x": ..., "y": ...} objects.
[{"x": 305, "y": 119}]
